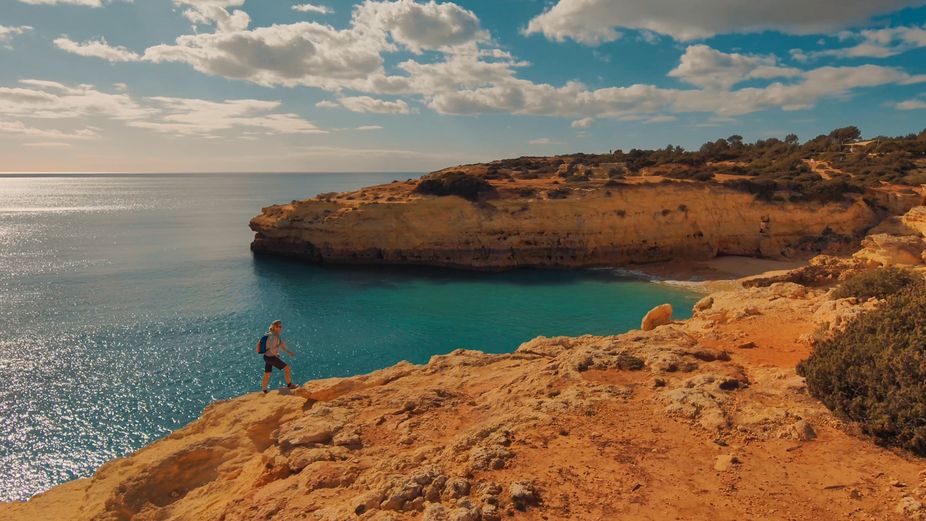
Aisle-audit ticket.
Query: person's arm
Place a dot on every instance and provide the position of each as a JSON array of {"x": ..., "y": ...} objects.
[{"x": 283, "y": 347}]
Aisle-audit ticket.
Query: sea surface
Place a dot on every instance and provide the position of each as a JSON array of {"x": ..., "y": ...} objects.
[{"x": 128, "y": 303}]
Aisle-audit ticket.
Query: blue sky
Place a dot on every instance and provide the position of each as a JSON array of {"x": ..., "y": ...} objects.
[{"x": 400, "y": 85}]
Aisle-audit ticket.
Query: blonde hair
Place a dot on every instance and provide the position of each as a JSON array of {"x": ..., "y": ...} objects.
[{"x": 275, "y": 322}]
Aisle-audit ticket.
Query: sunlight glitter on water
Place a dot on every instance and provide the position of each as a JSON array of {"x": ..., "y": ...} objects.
[{"x": 120, "y": 326}]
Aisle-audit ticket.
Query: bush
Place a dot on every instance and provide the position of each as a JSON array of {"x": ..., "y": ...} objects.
[
  {"x": 880, "y": 283},
  {"x": 464, "y": 185},
  {"x": 558, "y": 193},
  {"x": 874, "y": 372},
  {"x": 577, "y": 178}
]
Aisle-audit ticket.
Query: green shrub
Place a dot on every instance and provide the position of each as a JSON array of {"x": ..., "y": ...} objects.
[
  {"x": 879, "y": 283},
  {"x": 874, "y": 372},
  {"x": 615, "y": 173},
  {"x": 455, "y": 183}
]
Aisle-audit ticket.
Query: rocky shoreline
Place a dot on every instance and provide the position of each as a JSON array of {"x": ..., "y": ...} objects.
[{"x": 698, "y": 419}]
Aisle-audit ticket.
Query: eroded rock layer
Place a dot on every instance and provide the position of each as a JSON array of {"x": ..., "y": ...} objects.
[{"x": 554, "y": 227}]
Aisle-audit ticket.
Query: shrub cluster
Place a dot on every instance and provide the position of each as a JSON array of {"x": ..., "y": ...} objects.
[
  {"x": 880, "y": 283},
  {"x": 461, "y": 184},
  {"x": 874, "y": 372}
]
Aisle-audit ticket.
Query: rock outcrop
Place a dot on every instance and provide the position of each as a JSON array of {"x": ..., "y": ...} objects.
[
  {"x": 658, "y": 316},
  {"x": 540, "y": 223}
]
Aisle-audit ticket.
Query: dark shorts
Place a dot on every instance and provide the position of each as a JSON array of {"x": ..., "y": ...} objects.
[{"x": 273, "y": 361}]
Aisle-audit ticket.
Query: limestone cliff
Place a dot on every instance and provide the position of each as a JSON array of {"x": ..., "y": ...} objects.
[{"x": 539, "y": 223}]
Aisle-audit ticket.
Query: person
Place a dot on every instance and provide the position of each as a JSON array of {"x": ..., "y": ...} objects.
[{"x": 275, "y": 344}]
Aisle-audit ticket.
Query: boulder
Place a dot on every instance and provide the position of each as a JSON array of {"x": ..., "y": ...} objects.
[
  {"x": 800, "y": 430},
  {"x": 658, "y": 316},
  {"x": 915, "y": 219},
  {"x": 883, "y": 250}
]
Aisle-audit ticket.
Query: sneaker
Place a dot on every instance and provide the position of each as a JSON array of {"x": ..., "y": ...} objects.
[
  {"x": 265, "y": 391},
  {"x": 292, "y": 386}
]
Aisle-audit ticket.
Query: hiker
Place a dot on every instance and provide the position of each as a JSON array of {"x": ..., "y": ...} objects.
[{"x": 270, "y": 345}]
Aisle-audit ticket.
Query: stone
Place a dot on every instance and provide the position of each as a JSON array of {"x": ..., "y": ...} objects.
[
  {"x": 724, "y": 462},
  {"x": 308, "y": 430},
  {"x": 908, "y": 506},
  {"x": 302, "y": 457},
  {"x": 884, "y": 250},
  {"x": 658, "y": 316},
  {"x": 456, "y": 487},
  {"x": 800, "y": 430},
  {"x": 747, "y": 345},
  {"x": 434, "y": 512},
  {"x": 523, "y": 494},
  {"x": 915, "y": 219},
  {"x": 703, "y": 305}
]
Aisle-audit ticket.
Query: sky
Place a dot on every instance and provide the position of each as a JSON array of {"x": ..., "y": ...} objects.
[{"x": 413, "y": 86}]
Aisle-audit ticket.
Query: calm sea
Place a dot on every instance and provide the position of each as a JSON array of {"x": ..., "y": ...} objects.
[{"x": 128, "y": 303}]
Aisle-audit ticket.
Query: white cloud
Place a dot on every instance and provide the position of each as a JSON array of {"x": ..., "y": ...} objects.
[
  {"x": 21, "y": 129},
  {"x": 43, "y": 102},
  {"x": 8, "y": 32},
  {"x": 369, "y": 127},
  {"x": 544, "y": 141},
  {"x": 575, "y": 101},
  {"x": 582, "y": 123},
  {"x": 664, "y": 118},
  {"x": 316, "y": 55},
  {"x": 216, "y": 12},
  {"x": 872, "y": 43},
  {"x": 709, "y": 68},
  {"x": 96, "y": 49},
  {"x": 86, "y": 3},
  {"x": 465, "y": 73},
  {"x": 367, "y": 104},
  {"x": 419, "y": 27},
  {"x": 48, "y": 144},
  {"x": 188, "y": 116},
  {"x": 593, "y": 22},
  {"x": 313, "y": 8},
  {"x": 913, "y": 104}
]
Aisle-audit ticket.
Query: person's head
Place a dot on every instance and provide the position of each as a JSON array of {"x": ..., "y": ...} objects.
[{"x": 276, "y": 326}]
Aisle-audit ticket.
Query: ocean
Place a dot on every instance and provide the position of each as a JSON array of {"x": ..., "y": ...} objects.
[{"x": 129, "y": 302}]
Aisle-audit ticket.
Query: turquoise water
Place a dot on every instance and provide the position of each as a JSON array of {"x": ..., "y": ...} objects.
[{"x": 128, "y": 303}]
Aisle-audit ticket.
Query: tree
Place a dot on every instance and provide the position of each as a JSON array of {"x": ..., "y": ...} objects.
[
  {"x": 846, "y": 134},
  {"x": 792, "y": 139}
]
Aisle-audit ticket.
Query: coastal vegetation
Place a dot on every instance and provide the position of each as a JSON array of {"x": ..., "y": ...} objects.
[
  {"x": 823, "y": 169},
  {"x": 879, "y": 284},
  {"x": 874, "y": 371},
  {"x": 455, "y": 183}
]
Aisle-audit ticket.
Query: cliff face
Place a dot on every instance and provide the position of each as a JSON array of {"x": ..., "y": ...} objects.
[{"x": 619, "y": 225}]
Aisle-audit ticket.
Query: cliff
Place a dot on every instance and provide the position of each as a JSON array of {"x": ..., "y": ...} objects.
[
  {"x": 542, "y": 223},
  {"x": 702, "y": 419}
]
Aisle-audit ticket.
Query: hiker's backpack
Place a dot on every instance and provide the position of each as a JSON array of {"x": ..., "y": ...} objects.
[{"x": 263, "y": 345}]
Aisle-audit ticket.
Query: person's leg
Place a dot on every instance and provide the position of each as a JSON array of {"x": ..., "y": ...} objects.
[
  {"x": 268, "y": 367},
  {"x": 288, "y": 375}
]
